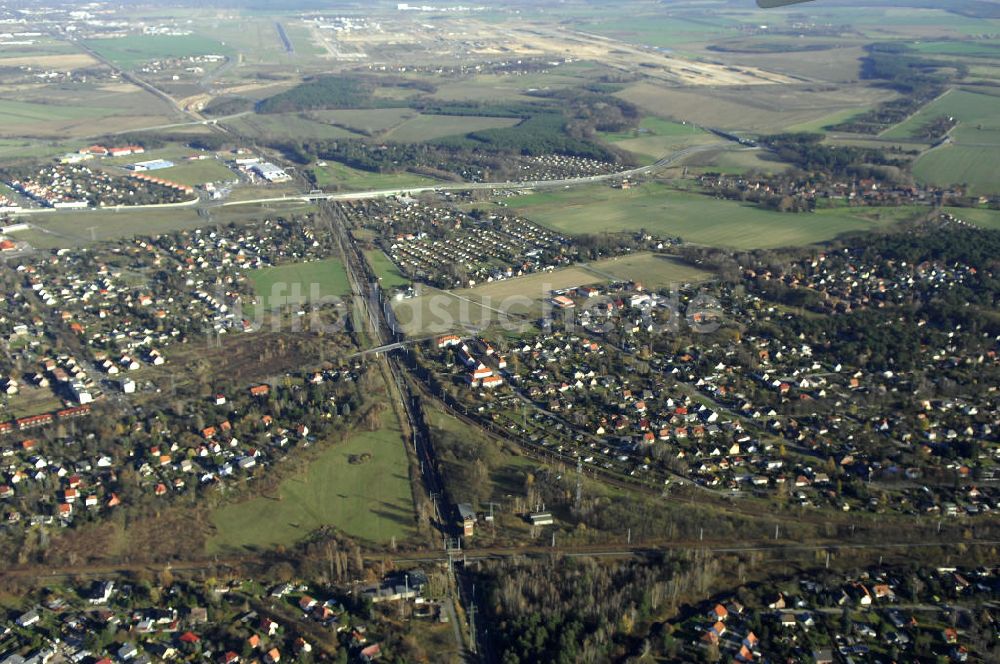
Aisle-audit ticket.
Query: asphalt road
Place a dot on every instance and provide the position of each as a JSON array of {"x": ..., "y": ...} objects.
[
  {"x": 665, "y": 162},
  {"x": 310, "y": 197}
]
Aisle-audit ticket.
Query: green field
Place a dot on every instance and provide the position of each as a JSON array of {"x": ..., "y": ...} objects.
[
  {"x": 14, "y": 147},
  {"x": 656, "y": 137},
  {"x": 695, "y": 218},
  {"x": 967, "y": 48},
  {"x": 734, "y": 162},
  {"x": 880, "y": 21},
  {"x": 821, "y": 124},
  {"x": 302, "y": 41},
  {"x": 504, "y": 476},
  {"x": 335, "y": 174},
  {"x": 388, "y": 274},
  {"x": 29, "y": 401},
  {"x": 973, "y": 156},
  {"x": 652, "y": 270},
  {"x": 42, "y": 47},
  {"x": 562, "y": 76},
  {"x": 809, "y": 57},
  {"x": 366, "y": 121},
  {"x": 663, "y": 31},
  {"x": 488, "y": 90},
  {"x": 298, "y": 283},
  {"x": 257, "y": 38},
  {"x": 62, "y": 113},
  {"x": 430, "y": 127},
  {"x": 55, "y": 229},
  {"x": 370, "y": 501},
  {"x": 985, "y": 134},
  {"x": 134, "y": 50},
  {"x": 191, "y": 172},
  {"x": 21, "y": 113},
  {"x": 517, "y": 301},
  {"x": 499, "y": 88},
  {"x": 977, "y": 167},
  {"x": 966, "y": 107},
  {"x": 760, "y": 108},
  {"x": 536, "y": 286},
  {"x": 285, "y": 126},
  {"x": 981, "y": 217},
  {"x": 438, "y": 311}
]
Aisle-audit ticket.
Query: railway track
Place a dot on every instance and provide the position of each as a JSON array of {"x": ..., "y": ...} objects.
[
  {"x": 365, "y": 289},
  {"x": 436, "y": 555}
]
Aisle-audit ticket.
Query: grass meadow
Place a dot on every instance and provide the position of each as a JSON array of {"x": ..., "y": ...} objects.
[
  {"x": 335, "y": 174},
  {"x": 651, "y": 270},
  {"x": 58, "y": 229},
  {"x": 966, "y": 107},
  {"x": 368, "y": 120},
  {"x": 695, "y": 218},
  {"x": 23, "y": 114},
  {"x": 972, "y": 157},
  {"x": 429, "y": 127},
  {"x": 133, "y": 50},
  {"x": 656, "y": 137},
  {"x": 286, "y": 126},
  {"x": 370, "y": 501},
  {"x": 196, "y": 172},
  {"x": 982, "y": 217},
  {"x": 486, "y": 305},
  {"x": 734, "y": 162},
  {"x": 387, "y": 272},
  {"x": 191, "y": 172},
  {"x": 976, "y": 166},
  {"x": 292, "y": 284},
  {"x": 763, "y": 110}
]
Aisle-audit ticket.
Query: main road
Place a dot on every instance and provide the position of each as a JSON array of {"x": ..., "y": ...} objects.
[
  {"x": 316, "y": 196},
  {"x": 313, "y": 196}
]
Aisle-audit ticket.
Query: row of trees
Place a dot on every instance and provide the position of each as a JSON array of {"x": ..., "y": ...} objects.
[
  {"x": 900, "y": 68},
  {"x": 808, "y": 152}
]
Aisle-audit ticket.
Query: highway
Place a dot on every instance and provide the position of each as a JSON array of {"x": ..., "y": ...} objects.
[
  {"x": 320, "y": 196},
  {"x": 665, "y": 162}
]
